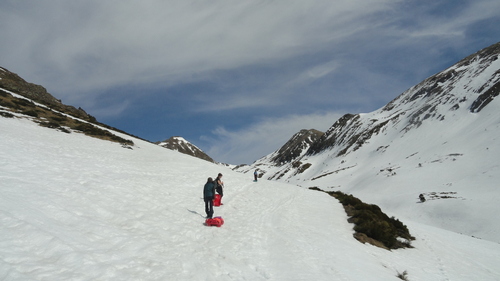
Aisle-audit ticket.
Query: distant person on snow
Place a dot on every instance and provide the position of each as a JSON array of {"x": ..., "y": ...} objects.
[
  {"x": 422, "y": 198},
  {"x": 208, "y": 196},
  {"x": 219, "y": 186},
  {"x": 255, "y": 174}
]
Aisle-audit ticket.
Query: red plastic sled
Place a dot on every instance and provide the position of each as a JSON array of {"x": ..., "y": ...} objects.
[
  {"x": 217, "y": 200},
  {"x": 217, "y": 221}
]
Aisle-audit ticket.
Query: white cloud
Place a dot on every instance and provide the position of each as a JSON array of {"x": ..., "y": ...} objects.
[
  {"x": 316, "y": 72},
  {"x": 91, "y": 46}
]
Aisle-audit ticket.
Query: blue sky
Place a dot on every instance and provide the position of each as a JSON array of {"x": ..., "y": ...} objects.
[{"x": 236, "y": 78}]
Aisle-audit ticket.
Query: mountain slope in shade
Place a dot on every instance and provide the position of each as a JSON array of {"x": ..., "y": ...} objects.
[{"x": 439, "y": 138}]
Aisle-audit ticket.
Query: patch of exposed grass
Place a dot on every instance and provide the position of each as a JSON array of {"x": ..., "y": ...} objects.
[{"x": 94, "y": 131}]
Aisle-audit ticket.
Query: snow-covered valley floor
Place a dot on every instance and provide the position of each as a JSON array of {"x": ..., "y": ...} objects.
[{"x": 78, "y": 208}]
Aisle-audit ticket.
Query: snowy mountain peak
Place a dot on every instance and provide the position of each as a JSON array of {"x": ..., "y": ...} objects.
[
  {"x": 182, "y": 145},
  {"x": 471, "y": 83}
]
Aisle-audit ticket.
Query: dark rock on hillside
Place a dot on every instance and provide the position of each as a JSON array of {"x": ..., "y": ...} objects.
[
  {"x": 183, "y": 146},
  {"x": 334, "y": 136},
  {"x": 295, "y": 148},
  {"x": 484, "y": 99}
]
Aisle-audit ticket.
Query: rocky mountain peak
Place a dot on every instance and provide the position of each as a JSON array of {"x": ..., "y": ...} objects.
[{"x": 296, "y": 146}]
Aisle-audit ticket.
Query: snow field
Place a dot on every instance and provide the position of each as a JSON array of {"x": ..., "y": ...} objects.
[{"x": 77, "y": 208}]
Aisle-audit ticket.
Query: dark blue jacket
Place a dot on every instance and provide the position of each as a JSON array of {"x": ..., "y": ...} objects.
[{"x": 209, "y": 190}]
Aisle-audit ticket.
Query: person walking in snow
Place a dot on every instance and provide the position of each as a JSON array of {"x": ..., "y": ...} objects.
[
  {"x": 208, "y": 196},
  {"x": 219, "y": 186},
  {"x": 255, "y": 175}
]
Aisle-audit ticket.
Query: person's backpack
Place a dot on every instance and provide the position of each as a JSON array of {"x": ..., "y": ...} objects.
[
  {"x": 217, "y": 199},
  {"x": 209, "y": 190}
]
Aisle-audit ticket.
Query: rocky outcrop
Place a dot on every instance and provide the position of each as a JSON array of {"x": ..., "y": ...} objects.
[{"x": 12, "y": 82}]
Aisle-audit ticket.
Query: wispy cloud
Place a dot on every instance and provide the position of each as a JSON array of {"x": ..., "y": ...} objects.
[
  {"x": 113, "y": 109},
  {"x": 316, "y": 72},
  {"x": 95, "y": 45}
]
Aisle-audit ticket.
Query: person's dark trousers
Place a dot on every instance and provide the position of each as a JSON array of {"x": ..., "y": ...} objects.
[
  {"x": 209, "y": 206},
  {"x": 219, "y": 190}
]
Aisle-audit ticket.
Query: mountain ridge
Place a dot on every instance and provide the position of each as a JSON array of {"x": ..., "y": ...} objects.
[
  {"x": 430, "y": 93},
  {"x": 449, "y": 122},
  {"x": 13, "y": 82}
]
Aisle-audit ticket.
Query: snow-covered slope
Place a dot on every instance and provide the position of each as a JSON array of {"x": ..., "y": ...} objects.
[
  {"x": 439, "y": 138},
  {"x": 78, "y": 208}
]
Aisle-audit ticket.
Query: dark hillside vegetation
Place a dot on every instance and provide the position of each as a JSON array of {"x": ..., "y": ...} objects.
[
  {"x": 55, "y": 114},
  {"x": 49, "y": 118},
  {"x": 370, "y": 222}
]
